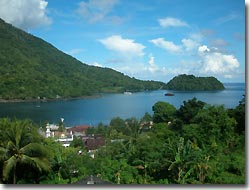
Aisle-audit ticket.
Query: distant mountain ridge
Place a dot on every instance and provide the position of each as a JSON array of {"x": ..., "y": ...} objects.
[
  {"x": 31, "y": 68},
  {"x": 190, "y": 82}
]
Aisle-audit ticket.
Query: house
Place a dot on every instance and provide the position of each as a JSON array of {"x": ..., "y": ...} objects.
[
  {"x": 63, "y": 137},
  {"x": 79, "y": 130},
  {"x": 51, "y": 129},
  {"x": 92, "y": 143}
]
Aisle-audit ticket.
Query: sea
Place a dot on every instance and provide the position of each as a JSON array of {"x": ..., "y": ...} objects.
[{"x": 102, "y": 109}]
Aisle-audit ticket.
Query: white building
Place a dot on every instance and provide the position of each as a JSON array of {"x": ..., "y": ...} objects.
[
  {"x": 50, "y": 130},
  {"x": 64, "y": 138}
]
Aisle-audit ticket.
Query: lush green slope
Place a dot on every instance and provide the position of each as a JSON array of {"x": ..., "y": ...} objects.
[
  {"x": 195, "y": 144},
  {"x": 31, "y": 68},
  {"x": 190, "y": 82}
]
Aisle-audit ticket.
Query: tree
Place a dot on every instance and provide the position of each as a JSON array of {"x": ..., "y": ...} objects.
[
  {"x": 190, "y": 82},
  {"x": 216, "y": 125},
  {"x": 117, "y": 126},
  {"x": 22, "y": 148},
  {"x": 239, "y": 114},
  {"x": 116, "y": 171},
  {"x": 146, "y": 118},
  {"x": 189, "y": 109},
  {"x": 163, "y": 112},
  {"x": 185, "y": 158},
  {"x": 77, "y": 142}
]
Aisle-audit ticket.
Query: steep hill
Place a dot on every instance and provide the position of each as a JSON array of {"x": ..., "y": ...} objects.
[
  {"x": 190, "y": 82},
  {"x": 32, "y": 68}
]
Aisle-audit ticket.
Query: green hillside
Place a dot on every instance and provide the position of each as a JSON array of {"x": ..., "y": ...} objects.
[
  {"x": 31, "y": 68},
  {"x": 190, "y": 82}
]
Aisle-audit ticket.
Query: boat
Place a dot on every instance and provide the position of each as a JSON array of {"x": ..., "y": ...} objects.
[
  {"x": 169, "y": 94},
  {"x": 128, "y": 93}
]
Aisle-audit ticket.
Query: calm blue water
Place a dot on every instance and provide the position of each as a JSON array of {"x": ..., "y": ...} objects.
[{"x": 95, "y": 110}]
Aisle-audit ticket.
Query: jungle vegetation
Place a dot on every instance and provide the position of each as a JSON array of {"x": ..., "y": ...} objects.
[
  {"x": 195, "y": 144},
  {"x": 190, "y": 83}
]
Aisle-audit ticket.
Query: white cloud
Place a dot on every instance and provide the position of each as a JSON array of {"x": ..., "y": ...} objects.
[
  {"x": 151, "y": 61},
  {"x": 189, "y": 44},
  {"x": 170, "y": 21},
  {"x": 152, "y": 67},
  {"x": 167, "y": 45},
  {"x": 25, "y": 14},
  {"x": 96, "y": 10},
  {"x": 203, "y": 48},
  {"x": 96, "y": 64},
  {"x": 218, "y": 63},
  {"x": 123, "y": 46}
]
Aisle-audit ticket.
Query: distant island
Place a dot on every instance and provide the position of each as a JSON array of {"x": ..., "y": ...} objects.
[{"x": 191, "y": 83}]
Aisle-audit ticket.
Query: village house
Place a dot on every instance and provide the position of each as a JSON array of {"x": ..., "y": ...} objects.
[
  {"x": 79, "y": 131},
  {"x": 63, "y": 137},
  {"x": 92, "y": 143}
]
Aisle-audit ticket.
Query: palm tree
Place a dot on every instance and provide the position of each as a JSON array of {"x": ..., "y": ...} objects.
[{"x": 22, "y": 148}]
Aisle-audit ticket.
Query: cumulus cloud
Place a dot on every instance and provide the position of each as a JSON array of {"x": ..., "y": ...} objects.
[
  {"x": 187, "y": 45},
  {"x": 96, "y": 10},
  {"x": 25, "y": 14},
  {"x": 123, "y": 46},
  {"x": 152, "y": 66},
  {"x": 203, "y": 48},
  {"x": 167, "y": 45},
  {"x": 172, "y": 22},
  {"x": 216, "y": 62}
]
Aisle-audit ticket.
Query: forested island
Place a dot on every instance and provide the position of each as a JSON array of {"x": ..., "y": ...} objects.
[
  {"x": 190, "y": 83},
  {"x": 32, "y": 69},
  {"x": 195, "y": 144}
]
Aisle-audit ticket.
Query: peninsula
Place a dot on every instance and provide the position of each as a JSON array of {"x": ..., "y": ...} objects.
[{"x": 32, "y": 69}]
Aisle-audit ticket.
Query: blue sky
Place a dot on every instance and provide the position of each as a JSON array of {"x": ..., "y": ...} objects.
[{"x": 145, "y": 39}]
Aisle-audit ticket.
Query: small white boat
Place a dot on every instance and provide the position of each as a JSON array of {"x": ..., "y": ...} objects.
[{"x": 128, "y": 93}]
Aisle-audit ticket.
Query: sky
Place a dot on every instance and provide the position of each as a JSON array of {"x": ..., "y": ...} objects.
[{"x": 145, "y": 39}]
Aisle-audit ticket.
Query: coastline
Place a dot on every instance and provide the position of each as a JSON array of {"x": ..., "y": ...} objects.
[
  {"x": 48, "y": 100},
  {"x": 100, "y": 95}
]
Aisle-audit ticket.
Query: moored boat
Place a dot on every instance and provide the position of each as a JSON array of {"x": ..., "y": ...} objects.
[{"x": 169, "y": 94}]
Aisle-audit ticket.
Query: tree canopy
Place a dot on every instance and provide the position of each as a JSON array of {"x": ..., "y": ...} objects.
[{"x": 190, "y": 82}]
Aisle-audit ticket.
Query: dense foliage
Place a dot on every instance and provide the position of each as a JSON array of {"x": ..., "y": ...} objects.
[
  {"x": 195, "y": 144},
  {"x": 31, "y": 68},
  {"x": 190, "y": 82}
]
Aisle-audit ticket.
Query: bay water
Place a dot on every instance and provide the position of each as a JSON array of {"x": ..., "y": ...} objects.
[{"x": 92, "y": 111}]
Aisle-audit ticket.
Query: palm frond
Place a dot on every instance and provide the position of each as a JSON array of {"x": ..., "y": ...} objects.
[
  {"x": 8, "y": 166},
  {"x": 39, "y": 163},
  {"x": 34, "y": 150},
  {"x": 3, "y": 153}
]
